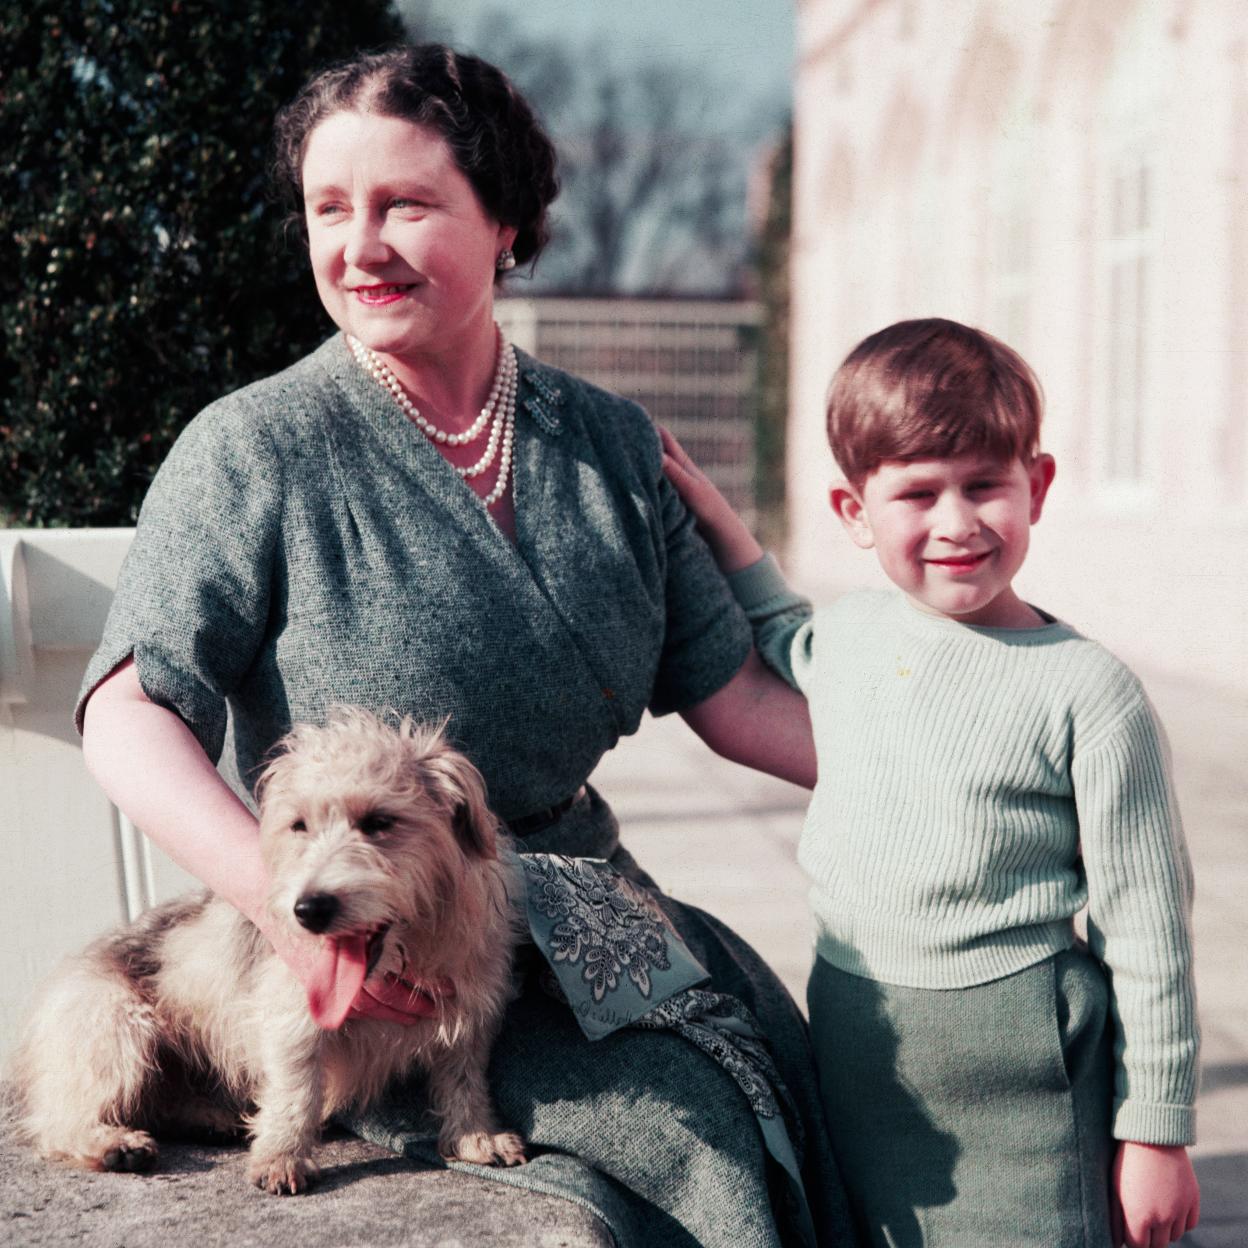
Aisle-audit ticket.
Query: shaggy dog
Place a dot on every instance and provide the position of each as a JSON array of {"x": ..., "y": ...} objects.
[{"x": 377, "y": 839}]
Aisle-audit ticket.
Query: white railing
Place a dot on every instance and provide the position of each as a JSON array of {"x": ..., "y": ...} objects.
[{"x": 71, "y": 865}]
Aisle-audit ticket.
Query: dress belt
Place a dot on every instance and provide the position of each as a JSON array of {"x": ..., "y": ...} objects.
[{"x": 526, "y": 825}]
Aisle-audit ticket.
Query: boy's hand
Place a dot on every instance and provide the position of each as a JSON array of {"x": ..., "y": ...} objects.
[
  {"x": 731, "y": 543},
  {"x": 1154, "y": 1198}
]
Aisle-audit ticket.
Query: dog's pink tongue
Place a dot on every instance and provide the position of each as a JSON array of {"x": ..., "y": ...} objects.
[{"x": 337, "y": 976}]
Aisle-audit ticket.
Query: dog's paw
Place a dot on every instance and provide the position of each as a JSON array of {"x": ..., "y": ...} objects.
[
  {"x": 502, "y": 1148},
  {"x": 125, "y": 1150},
  {"x": 285, "y": 1175}
]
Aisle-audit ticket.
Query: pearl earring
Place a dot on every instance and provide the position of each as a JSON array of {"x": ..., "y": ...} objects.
[{"x": 506, "y": 260}]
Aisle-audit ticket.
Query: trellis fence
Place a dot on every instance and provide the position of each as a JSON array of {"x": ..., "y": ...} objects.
[{"x": 692, "y": 364}]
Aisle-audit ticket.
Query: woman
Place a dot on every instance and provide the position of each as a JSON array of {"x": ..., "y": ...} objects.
[{"x": 416, "y": 516}]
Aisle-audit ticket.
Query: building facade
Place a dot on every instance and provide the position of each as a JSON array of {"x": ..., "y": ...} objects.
[{"x": 1070, "y": 175}]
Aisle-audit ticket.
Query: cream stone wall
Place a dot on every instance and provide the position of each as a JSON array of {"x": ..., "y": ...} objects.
[{"x": 1070, "y": 175}]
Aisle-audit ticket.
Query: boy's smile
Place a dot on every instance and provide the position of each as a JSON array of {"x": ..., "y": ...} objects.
[{"x": 951, "y": 533}]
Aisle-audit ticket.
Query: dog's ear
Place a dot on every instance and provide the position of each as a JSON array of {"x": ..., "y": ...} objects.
[
  {"x": 462, "y": 788},
  {"x": 477, "y": 835}
]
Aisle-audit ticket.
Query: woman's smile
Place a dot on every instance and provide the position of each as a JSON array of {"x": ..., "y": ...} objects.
[{"x": 377, "y": 296}]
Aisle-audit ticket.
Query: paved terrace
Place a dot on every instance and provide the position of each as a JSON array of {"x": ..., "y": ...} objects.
[{"x": 723, "y": 838}]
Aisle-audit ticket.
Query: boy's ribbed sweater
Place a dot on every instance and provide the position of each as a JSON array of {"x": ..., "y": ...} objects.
[{"x": 977, "y": 787}]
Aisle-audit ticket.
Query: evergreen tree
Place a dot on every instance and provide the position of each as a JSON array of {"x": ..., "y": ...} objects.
[{"x": 147, "y": 271}]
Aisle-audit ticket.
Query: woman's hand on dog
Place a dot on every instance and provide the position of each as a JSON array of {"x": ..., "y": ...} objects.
[
  {"x": 396, "y": 1000},
  {"x": 387, "y": 998},
  {"x": 123, "y": 730}
]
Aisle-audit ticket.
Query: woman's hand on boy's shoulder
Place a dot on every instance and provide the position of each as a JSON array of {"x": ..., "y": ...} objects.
[
  {"x": 1154, "y": 1197},
  {"x": 732, "y": 544}
]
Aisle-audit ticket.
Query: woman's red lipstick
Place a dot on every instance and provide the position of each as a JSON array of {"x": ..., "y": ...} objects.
[{"x": 376, "y": 296}]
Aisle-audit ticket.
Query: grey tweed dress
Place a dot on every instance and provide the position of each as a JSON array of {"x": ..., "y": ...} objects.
[{"x": 303, "y": 546}]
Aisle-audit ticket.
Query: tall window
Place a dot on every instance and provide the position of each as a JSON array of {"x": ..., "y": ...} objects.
[
  {"x": 1012, "y": 205},
  {"x": 1011, "y": 276},
  {"x": 1132, "y": 118},
  {"x": 1130, "y": 283}
]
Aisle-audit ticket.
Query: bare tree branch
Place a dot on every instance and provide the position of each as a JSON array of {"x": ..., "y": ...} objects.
[{"x": 653, "y": 198}]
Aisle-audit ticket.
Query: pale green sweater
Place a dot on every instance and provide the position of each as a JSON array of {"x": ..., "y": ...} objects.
[{"x": 977, "y": 787}]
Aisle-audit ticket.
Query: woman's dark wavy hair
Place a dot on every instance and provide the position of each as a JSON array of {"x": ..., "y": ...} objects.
[{"x": 496, "y": 140}]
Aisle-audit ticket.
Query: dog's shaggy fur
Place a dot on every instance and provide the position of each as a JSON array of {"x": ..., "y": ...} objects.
[{"x": 186, "y": 1019}]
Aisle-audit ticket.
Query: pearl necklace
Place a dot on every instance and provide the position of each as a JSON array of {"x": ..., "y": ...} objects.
[{"x": 499, "y": 413}]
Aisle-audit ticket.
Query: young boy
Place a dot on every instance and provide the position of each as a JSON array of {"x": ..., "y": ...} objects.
[{"x": 984, "y": 771}]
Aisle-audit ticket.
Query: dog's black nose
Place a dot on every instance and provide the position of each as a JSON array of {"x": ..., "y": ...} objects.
[{"x": 316, "y": 910}]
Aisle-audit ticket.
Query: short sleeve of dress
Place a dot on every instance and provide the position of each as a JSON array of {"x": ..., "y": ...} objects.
[
  {"x": 707, "y": 636},
  {"x": 193, "y": 597}
]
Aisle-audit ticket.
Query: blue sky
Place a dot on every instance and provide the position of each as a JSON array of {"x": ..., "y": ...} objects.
[
  {"x": 738, "y": 58},
  {"x": 744, "y": 45}
]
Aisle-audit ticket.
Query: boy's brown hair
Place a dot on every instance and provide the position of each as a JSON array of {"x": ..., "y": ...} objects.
[{"x": 931, "y": 389}]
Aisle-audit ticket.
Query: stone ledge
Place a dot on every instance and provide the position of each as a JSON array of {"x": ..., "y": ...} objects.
[{"x": 366, "y": 1198}]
